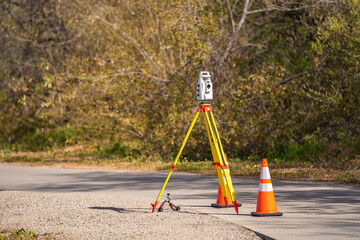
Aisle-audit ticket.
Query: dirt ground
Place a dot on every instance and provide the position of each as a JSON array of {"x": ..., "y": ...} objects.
[{"x": 108, "y": 216}]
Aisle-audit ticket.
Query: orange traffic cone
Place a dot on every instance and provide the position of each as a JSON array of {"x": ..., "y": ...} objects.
[
  {"x": 266, "y": 205},
  {"x": 223, "y": 202}
]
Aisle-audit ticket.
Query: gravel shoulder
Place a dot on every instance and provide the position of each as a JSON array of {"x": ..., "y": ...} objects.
[{"x": 108, "y": 216}]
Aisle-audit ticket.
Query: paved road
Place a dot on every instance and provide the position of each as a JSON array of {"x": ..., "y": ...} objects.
[{"x": 311, "y": 210}]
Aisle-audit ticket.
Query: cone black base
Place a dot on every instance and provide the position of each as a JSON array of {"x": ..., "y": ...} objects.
[
  {"x": 255, "y": 214},
  {"x": 215, "y": 205}
]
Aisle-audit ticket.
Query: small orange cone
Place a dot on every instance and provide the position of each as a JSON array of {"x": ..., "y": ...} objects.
[
  {"x": 266, "y": 205},
  {"x": 223, "y": 202}
]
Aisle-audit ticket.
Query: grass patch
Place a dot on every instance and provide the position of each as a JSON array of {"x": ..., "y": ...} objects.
[
  {"x": 189, "y": 166},
  {"x": 27, "y": 159},
  {"x": 349, "y": 178},
  {"x": 22, "y": 234},
  {"x": 117, "y": 156}
]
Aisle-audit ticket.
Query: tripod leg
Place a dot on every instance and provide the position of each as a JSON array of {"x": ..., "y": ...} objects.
[
  {"x": 219, "y": 158},
  {"x": 176, "y": 159},
  {"x": 226, "y": 171},
  {"x": 215, "y": 153}
]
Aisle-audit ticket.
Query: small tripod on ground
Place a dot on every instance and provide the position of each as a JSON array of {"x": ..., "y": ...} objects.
[{"x": 173, "y": 207}]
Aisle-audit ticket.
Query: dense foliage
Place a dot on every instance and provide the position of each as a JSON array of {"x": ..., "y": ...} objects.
[{"x": 285, "y": 74}]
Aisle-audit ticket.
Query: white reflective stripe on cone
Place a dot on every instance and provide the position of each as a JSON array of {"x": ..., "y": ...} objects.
[
  {"x": 265, "y": 187},
  {"x": 265, "y": 173}
]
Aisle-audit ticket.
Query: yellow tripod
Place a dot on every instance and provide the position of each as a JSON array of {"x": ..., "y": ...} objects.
[{"x": 218, "y": 155}]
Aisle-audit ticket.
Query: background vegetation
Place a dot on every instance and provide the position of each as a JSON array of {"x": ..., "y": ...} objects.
[{"x": 119, "y": 76}]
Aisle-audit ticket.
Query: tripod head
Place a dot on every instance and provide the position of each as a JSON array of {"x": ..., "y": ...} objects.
[{"x": 204, "y": 87}]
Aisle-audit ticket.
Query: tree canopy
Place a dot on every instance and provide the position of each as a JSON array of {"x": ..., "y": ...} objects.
[{"x": 284, "y": 72}]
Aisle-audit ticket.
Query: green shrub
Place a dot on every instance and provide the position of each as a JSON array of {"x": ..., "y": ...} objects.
[
  {"x": 53, "y": 137},
  {"x": 120, "y": 150},
  {"x": 308, "y": 151}
]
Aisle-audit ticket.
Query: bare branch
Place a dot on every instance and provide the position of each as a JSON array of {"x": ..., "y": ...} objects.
[
  {"x": 158, "y": 79},
  {"x": 285, "y": 9},
  {"x": 231, "y": 15},
  {"x": 245, "y": 13},
  {"x": 236, "y": 33},
  {"x": 299, "y": 75}
]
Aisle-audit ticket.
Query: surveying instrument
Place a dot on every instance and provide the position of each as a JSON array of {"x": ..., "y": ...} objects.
[{"x": 205, "y": 95}]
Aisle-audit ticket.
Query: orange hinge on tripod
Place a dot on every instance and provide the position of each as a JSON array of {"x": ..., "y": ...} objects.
[{"x": 219, "y": 165}]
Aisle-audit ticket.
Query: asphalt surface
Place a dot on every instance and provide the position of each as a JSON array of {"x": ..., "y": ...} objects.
[{"x": 311, "y": 210}]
